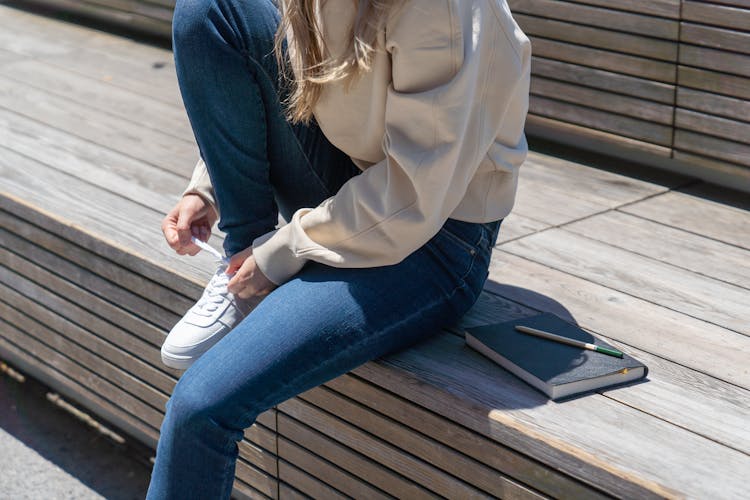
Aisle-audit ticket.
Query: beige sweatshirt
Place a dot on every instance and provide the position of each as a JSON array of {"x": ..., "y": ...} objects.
[{"x": 436, "y": 127}]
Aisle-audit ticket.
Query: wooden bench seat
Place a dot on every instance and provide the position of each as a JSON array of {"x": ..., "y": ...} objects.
[{"x": 95, "y": 148}]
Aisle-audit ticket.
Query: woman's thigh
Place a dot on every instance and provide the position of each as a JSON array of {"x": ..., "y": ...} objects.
[{"x": 327, "y": 321}]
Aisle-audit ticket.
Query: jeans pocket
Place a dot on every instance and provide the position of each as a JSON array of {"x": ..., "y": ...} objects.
[{"x": 467, "y": 235}]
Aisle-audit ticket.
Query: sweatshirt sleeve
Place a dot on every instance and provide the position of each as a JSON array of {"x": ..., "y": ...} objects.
[
  {"x": 200, "y": 184},
  {"x": 444, "y": 107}
]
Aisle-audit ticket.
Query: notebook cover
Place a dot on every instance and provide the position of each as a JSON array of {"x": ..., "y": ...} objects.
[{"x": 552, "y": 362}]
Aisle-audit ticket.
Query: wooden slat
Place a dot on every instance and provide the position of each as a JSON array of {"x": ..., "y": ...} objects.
[
  {"x": 673, "y": 392},
  {"x": 107, "y": 269},
  {"x": 711, "y": 81},
  {"x": 717, "y": 15},
  {"x": 593, "y": 438},
  {"x": 703, "y": 209},
  {"x": 715, "y": 147},
  {"x": 604, "y": 80},
  {"x": 600, "y": 38},
  {"x": 597, "y": 16},
  {"x": 326, "y": 472},
  {"x": 33, "y": 191},
  {"x": 730, "y": 107},
  {"x": 149, "y": 146},
  {"x": 661, "y": 8},
  {"x": 350, "y": 460},
  {"x": 698, "y": 296},
  {"x": 600, "y": 120},
  {"x": 674, "y": 246},
  {"x": 725, "y": 128},
  {"x": 605, "y": 101},
  {"x": 432, "y": 452},
  {"x": 718, "y": 38},
  {"x": 82, "y": 277},
  {"x": 472, "y": 444},
  {"x": 92, "y": 92},
  {"x": 650, "y": 69},
  {"x": 716, "y": 60},
  {"x": 410, "y": 467},
  {"x": 307, "y": 484},
  {"x": 690, "y": 342}
]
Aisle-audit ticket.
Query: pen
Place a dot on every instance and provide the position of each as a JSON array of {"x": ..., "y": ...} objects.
[{"x": 566, "y": 340}]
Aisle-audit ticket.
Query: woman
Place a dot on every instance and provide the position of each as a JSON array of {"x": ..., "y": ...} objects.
[{"x": 389, "y": 134}]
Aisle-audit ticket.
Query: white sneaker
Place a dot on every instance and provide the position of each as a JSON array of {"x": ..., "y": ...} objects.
[{"x": 212, "y": 317}]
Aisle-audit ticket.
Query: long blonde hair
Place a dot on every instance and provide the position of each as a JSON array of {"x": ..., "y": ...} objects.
[{"x": 316, "y": 65}]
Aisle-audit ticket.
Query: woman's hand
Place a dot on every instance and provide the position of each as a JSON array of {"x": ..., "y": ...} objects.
[
  {"x": 192, "y": 216},
  {"x": 248, "y": 280}
]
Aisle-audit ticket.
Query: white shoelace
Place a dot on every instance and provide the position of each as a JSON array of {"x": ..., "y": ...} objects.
[{"x": 216, "y": 290}]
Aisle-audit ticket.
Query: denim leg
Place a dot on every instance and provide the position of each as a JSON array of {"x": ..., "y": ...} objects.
[
  {"x": 321, "y": 324},
  {"x": 258, "y": 163}
]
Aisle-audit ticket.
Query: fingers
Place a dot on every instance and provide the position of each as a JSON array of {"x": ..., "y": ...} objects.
[
  {"x": 248, "y": 280},
  {"x": 192, "y": 216}
]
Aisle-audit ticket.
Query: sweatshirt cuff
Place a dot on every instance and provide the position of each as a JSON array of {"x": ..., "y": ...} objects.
[
  {"x": 274, "y": 256},
  {"x": 200, "y": 184}
]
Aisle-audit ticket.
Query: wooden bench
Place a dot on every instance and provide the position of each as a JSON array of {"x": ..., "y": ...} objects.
[
  {"x": 95, "y": 148},
  {"x": 662, "y": 82}
]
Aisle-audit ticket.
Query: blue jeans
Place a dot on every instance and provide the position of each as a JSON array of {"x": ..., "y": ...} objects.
[{"x": 325, "y": 321}]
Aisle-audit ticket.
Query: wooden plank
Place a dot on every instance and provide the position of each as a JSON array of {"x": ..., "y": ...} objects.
[
  {"x": 600, "y": 120},
  {"x": 596, "y": 16},
  {"x": 32, "y": 191},
  {"x": 717, "y": 38},
  {"x": 602, "y": 79},
  {"x": 730, "y": 107},
  {"x": 717, "y": 60},
  {"x": 680, "y": 248},
  {"x": 715, "y": 147},
  {"x": 243, "y": 491},
  {"x": 606, "y": 39},
  {"x": 437, "y": 454},
  {"x": 390, "y": 456},
  {"x": 594, "y": 190},
  {"x": 713, "y": 125},
  {"x": 516, "y": 226},
  {"x": 472, "y": 444},
  {"x": 697, "y": 296},
  {"x": 602, "y": 100},
  {"x": 594, "y": 438},
  {"x": 706, "y": 210},
  {"x": 641, "y": 67},
  {"x": 626, "y": 319},
  {"x": 158, "y": 384},
  {"x": 661, "y": 8},
  {"x": 144, "y": 110},
  {"x": 348, "y": 459},
  {"x": 107, "y": 269},
  {"x": 687, "y": 398},
  {"x": 737, "y": 176},
  {"x": 326, "y": 472},
  {"x": 257, "y": 479},
  {"x": 589, "y": 139},
  {"x": 151, "y": 147},
  {"x": 82, "y": 277},
  {"x": 718, "y": 15},
  {"x": 711, "y": 81},
  {"x": 81, "y": 302},
  {"x": 310, "y": 486}
]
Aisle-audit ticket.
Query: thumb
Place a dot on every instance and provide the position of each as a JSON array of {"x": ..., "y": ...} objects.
[{"x": 236, "y": 261}]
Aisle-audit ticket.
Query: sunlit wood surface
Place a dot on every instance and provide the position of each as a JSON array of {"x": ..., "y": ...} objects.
[{"x": 95, "y": 147}]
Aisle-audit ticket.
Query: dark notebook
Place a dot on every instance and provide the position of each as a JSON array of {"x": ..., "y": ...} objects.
[{"x": 559, "y": 370}]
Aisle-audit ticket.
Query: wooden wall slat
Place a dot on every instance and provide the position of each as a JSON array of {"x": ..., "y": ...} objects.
[{"x": 726, "y": 16}]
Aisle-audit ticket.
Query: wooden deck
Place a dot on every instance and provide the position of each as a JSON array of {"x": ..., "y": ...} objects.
[{"x": 95, "y": 148}]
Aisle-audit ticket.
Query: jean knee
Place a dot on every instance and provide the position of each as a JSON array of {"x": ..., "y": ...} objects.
[{"x": 246, "y": 25}]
